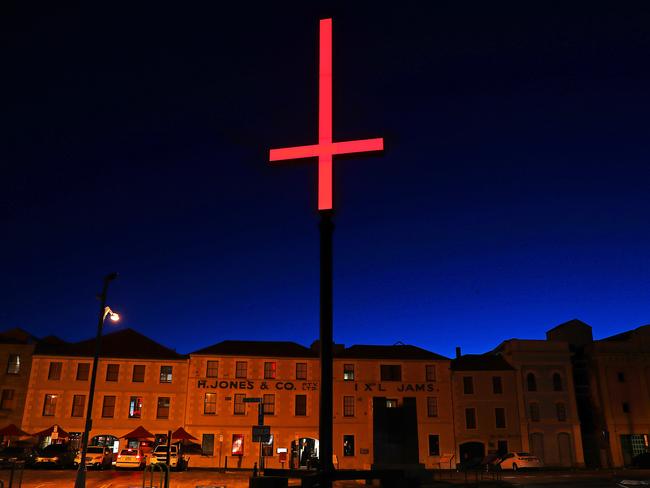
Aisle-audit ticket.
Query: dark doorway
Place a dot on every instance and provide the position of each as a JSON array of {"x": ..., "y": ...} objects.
[
  {"x": 395, "y": 432},
  {"x": 471, "y": 454}
]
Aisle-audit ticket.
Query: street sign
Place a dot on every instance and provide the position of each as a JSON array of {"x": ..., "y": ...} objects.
[{"x": 261, "y": 433}]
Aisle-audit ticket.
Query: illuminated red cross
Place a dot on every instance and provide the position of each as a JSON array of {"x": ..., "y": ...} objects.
[{"x": 325, "y": 148}]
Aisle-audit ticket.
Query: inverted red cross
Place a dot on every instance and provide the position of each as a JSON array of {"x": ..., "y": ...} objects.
[{"x": 325, "y": 148}]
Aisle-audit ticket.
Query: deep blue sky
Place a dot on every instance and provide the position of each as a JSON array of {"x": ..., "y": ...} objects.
[{"x": 513, "y": 194}]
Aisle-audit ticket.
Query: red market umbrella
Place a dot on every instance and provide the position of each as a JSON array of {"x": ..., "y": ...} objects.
[
  {"x": 48, "y": 432},
  {"x": 182, "y": 435},
  {"x": 140, "y": 433},
  {"x": 12, "y": 431}
]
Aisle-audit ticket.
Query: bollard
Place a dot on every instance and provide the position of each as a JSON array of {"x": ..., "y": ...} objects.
[{"x": 254, "y": 470}]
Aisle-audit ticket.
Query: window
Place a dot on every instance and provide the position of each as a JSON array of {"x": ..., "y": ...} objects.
[
  {"x": 626, "y": 407},
  {"x": 112, "y": 372},
  {"x": 108, "y": 407},
  {"x": 500, "y": 418},
  {"x": 240, "y": 406},
  {"x": 135, "y": 407},
  {"x": 621, "y": 376},
  {"x": 348, "y": 445},
  {"x": 392, "y": 403},
  {"x": 13, "y": 364},
  {"x": 468, "y": 385},
  {"x": 432, "y": 406},
  {"x": 241, "y": 368},
  {"x": 83, "y": 371},
  {"x": 434, "y": 445},
  {"x": 430, "y": 372},
  {"x": 560, "y": 410},
  {"x": 497, "y": 385},
  {"x": 268, "y": 404},
  {"x": 78, "y": 404},
  {"x": 162, "y": 412},
  {"x": 210, "y": 404},
  {"x": 531, "y": 382},
  {"x": 301, "y": 371},
  {"x": 212, "y": 370},
  {"x": 207, "y": 444},
  {"x": 269, "y": 370},
  {"x": 557, "y": 382},
  {"x": 267, "y": 447},
  {"x": 470, "y": 418},
  {"x": 348, "y": 372},
  {"x": 138, "y": 373},
  {"x": 534, "y": 412},
  {"x": 166, "y": 374},
  {"x": 301, "y": 405},
  {"x": 55, "y": 370},
  {"x": 390, "y": 372},
  {"x": 7, "y": 399},
  {"x": 49, "y": 405},
  {"x": 348, "y": 406}
]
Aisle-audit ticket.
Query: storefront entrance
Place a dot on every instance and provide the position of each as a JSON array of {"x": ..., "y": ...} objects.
[
  {"x": 395, "y": 432},
  {"x": 304, "y": 453}
]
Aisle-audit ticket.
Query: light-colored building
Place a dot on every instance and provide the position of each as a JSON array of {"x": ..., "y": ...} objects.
[
  {"x": 486, "y": 407},
  {"x": 549, "y": 422},
  {"x": 139, "y": 382}
]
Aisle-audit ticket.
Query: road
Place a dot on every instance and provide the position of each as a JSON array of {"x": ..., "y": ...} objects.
[{"x": 196, "y": 477}]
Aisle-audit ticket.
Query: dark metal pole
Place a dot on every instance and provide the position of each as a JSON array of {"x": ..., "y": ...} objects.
[
  {"x": 80, "y": 481},
  {"x": 325, "y": 431}
]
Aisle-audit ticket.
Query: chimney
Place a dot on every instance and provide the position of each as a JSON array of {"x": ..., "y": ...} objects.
[{"x": 457, "y": 352}]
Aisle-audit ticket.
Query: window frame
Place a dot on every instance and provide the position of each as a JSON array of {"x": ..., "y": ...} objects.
[
  {"x": 78, "y": 405},
  {"x": 110, "y": 369},
  {"x": 136, "y": 379},
  {"x": 497, "y": 385},
  {"x": 268, "y": 403},
  {"x": 436, "y": 444},
  {"x": 348, "y": 406},
  {"x": 390, "y": 372},
  {"x": 430, "y": 373},
  {"x": 55, "y": 371},
  {"x": 241, "y": 366},
  {"x": 348, "y": 451},
  {"x": 473, "y": 418},
  {"x": 132, "y": 408},
  {"x": 7, "y": 396},
  {"x": 166, "y": 378},
  {"x": 303, "y": 405},
  {"x": 432, "y": 406},
  {"x": 106, "y": 405},
  {"x": 212, "y": 368},
  {"x": 13, "y": 367},
  {"x": 80, "y": 369},
  {"x": 348, "y": 372},
  {"x": 212, "y": 404},
  {"x": 53, "y": 397},
  {"x": 239, "y": 406},
  {"x": 161, "y": 407},
  {"x": 301, "y": 371},
  {"x": 500, "y": 415},
  {"x": 468, "y": 385},
  {"x": 270, "y": 370}
]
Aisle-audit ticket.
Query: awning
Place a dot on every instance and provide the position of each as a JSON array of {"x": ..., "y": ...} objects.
[
  {"x": 182, "y": 435},
  {"x": 48, "y": 432},
  {"x": 140, "y": 433},
  {"x": 12, "y": 431}
]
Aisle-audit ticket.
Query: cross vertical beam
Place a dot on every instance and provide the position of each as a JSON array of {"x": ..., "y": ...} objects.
[{"x": 325, "y": 114}]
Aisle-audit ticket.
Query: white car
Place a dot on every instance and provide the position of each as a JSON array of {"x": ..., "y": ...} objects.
[
  {"x": 159, "y": 455},
  {"x": 96, "y": 457},
  {"x": 519, "y": 460},
  {"x": 131, "y": 458}
]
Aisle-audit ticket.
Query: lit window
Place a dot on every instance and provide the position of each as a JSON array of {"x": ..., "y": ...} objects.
[
  {"x": 348, "y": 445},
  {"x": 348, "y": 372},
  {"x": 166, "y": 374},
  {"x": 13, "y": 364},
  {"x": 49, "y": 405},
  {"x": 210, "y": 404},
  {"x": 391, "y": 403},
  {"x": 135, "y": 407}
]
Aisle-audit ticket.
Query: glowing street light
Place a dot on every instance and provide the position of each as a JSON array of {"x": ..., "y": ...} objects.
[{"x": 104, "y": 311}]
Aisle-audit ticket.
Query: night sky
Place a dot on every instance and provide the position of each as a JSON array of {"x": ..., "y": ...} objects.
[{"x": 513, "y": 194}]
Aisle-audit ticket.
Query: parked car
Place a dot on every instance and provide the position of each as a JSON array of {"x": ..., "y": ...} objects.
[
  {"x": 131, "y": 458},
  {"x": 519, "y": 460},
  {"x": 96, "y": 457},
  {"x": 55, "y": 456},
  {"x": 159, "y": 455},
  {"x": 13, "y": 454}
]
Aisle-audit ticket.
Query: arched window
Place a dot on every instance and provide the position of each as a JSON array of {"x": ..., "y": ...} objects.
[
  {"x": 531, "y": 382},
  {"x": 557, "y": 382}
]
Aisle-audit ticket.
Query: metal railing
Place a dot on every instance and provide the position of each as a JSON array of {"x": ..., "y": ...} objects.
[{"x": 152, "y": 468}]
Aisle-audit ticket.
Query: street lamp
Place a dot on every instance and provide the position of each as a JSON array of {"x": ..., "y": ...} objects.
[{"x": 104, "y": 310}]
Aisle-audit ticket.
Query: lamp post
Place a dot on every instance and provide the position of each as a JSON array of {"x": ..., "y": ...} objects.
[{"x": 80, "y": 481}]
